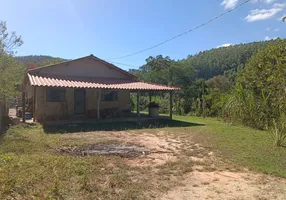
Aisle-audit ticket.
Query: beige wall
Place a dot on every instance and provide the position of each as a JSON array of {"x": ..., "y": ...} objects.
[
  {"x": 57, "y": 110},
  {"x": 47, "y": 110},
  {"x": 123, "y": 101},
  {"x": 84, "y": 67}
]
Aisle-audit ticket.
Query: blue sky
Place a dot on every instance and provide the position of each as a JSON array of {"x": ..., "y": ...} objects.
[{"x": 113, "y": 28}]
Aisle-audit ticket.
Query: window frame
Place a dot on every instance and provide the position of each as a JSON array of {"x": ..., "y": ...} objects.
[
  {"x": 55, "y": 98},
  {"x": 113, "y": 99}
]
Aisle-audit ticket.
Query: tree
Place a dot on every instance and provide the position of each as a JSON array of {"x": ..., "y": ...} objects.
[
  {"x": 11, "y": 72},
  {"x": 51, "y": 62},
  {"x": 8, "y": 41},
  {"x": 259, "y": 99}
]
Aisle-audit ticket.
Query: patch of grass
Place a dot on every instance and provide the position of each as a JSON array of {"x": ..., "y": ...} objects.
[
  {"x": 30, "y": 168},
  {"x": 244, "y": 146}
]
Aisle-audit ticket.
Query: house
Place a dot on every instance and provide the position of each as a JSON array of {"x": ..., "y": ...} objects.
[{"x": 86, "y": 86}]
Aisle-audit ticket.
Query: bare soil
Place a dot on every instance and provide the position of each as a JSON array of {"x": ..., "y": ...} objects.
[
  {"x": 210, "y": 177},
  {"x": 117, "y": 149}
]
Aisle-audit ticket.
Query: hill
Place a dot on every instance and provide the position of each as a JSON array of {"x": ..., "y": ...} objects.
[
  {"x": 216, "y": 61},
  {"x": 40, "y": 60},
  {"x": 207, "y": 64}
]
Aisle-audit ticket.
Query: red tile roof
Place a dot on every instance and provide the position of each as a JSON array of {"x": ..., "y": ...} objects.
[{"x": 93, "y": 82}]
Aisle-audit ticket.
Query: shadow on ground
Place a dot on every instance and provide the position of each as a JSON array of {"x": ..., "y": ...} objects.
[{"x": 116, "y": 126}]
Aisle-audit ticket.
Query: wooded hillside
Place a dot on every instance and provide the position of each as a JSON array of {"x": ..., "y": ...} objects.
[
  {"x": 40, "y": 60},
  {"x": 216, "y": 61}
]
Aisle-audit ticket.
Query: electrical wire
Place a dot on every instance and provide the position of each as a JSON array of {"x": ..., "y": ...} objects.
[
  {"x": 184, "y": 33},
  {"x": 118, "y": 63}
]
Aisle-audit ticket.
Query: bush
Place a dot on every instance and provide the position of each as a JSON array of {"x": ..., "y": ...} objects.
[{"x": 279, "y": 131}]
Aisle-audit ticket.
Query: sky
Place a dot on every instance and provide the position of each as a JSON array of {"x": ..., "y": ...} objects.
[{"x": 112, "y": 28}]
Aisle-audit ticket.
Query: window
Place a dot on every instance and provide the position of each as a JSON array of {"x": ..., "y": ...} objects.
[
  {"x": 109, "y": 96},
  {"x": 56, "y": 94}
]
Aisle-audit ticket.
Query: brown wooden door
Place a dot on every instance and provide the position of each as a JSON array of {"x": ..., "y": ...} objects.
[{"x": 79, "y": 101}]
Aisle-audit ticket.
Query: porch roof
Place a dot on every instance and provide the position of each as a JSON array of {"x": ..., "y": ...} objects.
[{"x": 94, "y": 82}]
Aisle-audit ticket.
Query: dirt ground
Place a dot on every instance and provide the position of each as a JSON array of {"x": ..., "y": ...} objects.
[{"x": 210, "y": 177}]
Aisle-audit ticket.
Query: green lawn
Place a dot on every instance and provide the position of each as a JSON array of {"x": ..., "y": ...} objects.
[
  {"x": 30, "y": 166},
  {"x": 245, "y": 146}
]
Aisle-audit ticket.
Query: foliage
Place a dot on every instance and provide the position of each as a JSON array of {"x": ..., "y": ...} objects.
[
  {"x": 11, "y": 77},
  {"x": 279, "y": 131},
  {"x": 163, "y": 70},
  {"x": 216, "y": 61},
  {"x": 263, "y": 84},
  {"x": 8, "y": 41},
  {"x": 40, "y": 60},
  {"x": 243, "y": 83},
  {"x": 11, "y": 73},
  {"x": 52, "y": 61},
  {"x": 219, "y": 66}
]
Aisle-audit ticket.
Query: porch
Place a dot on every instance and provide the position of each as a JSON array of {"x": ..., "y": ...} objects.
[{"x": 67, "y": 99}]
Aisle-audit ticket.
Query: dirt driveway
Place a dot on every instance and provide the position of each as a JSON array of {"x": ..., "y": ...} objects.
[{"x": 207, "y": 177}]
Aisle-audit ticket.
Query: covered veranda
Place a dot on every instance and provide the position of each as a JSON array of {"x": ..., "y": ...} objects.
[{"x": 100, "y": 85}]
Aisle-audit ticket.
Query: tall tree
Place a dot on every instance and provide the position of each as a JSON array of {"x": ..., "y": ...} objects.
[
  {"x": 260, "y": 94},
  {"x": 8, "y": 41},
  {"x": 11, "y": 72}
]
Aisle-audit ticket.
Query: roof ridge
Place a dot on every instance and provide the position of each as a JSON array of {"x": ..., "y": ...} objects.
[{"x": 90, "y": 56}]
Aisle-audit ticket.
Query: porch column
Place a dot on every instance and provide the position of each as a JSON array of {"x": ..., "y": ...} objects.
[
  {"x": 34, "y": 104},
  {"x": 23, "y": 107},
  {"x": 138, "y": 107},
  {"x": 98, "y": 103},
  {"x": 171, "y": 104}
]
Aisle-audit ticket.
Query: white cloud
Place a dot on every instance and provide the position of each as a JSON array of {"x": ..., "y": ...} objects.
[
  {"x": 224, "y": 45},
  {"x": 263, "y": 14},
  {"x": 229, "y": 3},
  {"x": 270, "y": 38},
  {"x": 271, "y": 29},
  {"x": 277, "y": 29},
  {"x": 263, "y": 1},
  {"x": 268, "y": 1}
]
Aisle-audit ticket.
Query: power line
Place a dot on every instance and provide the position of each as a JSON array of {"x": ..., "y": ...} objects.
[
  {"x": 184, "y": 33},
  {"x": 121, "y": 64}
]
